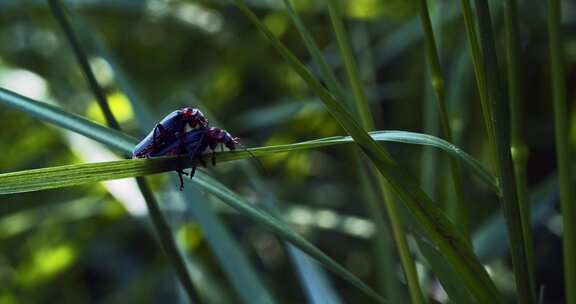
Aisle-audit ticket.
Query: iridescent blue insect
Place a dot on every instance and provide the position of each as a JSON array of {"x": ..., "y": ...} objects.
[
  {"x": 168, "y": 129},
  {"x": 193, "y": 143}
]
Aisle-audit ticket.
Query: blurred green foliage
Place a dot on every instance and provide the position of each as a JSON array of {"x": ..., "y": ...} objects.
[{"x": 93, "y": 243}]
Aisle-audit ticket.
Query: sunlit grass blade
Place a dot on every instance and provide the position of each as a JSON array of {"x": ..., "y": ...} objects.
[
  {"x": 313, "y": 279},
  {"x": 104, "y": 135},
  {"x": 74, "y": 175},
  {"x": 60, "y": 118},
  {"x": 88, "y": 172},
  {"x": 374, "y": 203},
  {"x": 124, "y": 143},
  {"x": 563, "y": 156},
  {"x": 234, "y": 263},
  {"x": 500, "y": 121},
  {"x": 281, "y": 229},
  {"x": 82, "y": 58},
  {"x": 441, "y": 231},
  {"x": 46, "y": 112},
  {"x": 160, "y": 224},
  {"x": 363, "y": 113}
]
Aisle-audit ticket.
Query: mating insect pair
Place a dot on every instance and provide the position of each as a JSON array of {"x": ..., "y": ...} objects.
[{"x": 170, "y": 137}]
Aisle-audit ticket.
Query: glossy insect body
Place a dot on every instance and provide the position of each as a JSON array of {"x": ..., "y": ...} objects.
[
  {"x": 193, "y": 143},
  {"x": 168, "y": 129}
]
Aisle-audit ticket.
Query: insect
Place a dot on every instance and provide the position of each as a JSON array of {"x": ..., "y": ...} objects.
[
  {"x": 193, "y": 143},
  {"x": 168, "y": 129}
]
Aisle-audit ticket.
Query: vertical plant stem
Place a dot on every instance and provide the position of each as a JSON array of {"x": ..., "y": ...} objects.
[
  {"x": 459, "y": 216},
  {"x": 567, "y": 203},
  {"x": 377, "y": 212},
  {"x": 367, "y": 122},
  {"x": 480, "y": 73},
  {"x": 160, "y": 224},
  {"x": 518, "y": 146},
  {"x": 505, "y": 169},
  {"x": 58, "y": 12},
  {"x": 327, "y": 75}
]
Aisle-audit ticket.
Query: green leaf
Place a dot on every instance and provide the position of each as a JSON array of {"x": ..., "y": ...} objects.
[
  {"x": 75, "y": 123},
  {"x": 281, "y": 229},
  {"x": 47, "y": 178},
  {"x": 445, "y": 236},
  {"x": 79, "y": 174}
]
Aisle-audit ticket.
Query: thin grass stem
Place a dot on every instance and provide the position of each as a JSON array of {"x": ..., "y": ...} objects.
[
  {"x": 58, "y": 11},
  {"x": 367, "y": 121},
  {"x": 164, "y": 232},
  {"x": 480, "y": 73},
  {"x": 460, "y": 216},
  {"x": 362, "y": 109},
  {"x": 518, "y": 146},
  {"x": 500, "y": 121},
  {"x": 567, "y": 203}
]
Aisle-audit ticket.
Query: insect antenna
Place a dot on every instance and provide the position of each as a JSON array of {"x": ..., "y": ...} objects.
[{"x": 253, "y": 157}]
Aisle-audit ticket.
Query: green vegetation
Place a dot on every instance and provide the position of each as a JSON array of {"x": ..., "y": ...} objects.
[{"x": 317, "y": 91}]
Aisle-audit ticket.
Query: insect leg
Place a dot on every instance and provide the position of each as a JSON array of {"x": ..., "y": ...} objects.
[{"x": 196, "y": 154}]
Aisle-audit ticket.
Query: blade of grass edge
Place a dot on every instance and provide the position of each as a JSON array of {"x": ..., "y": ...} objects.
[
  {"x": 164, "y": 233},
  {"x": 232, "y": 259},
  {"x": 500, "y": 121},
  {"x": 562, "y": 149},
  {"x": 450, "y": 242},
  {"x": 518, "y": 147},
  {"x": 457, "y": 206},
  {"x": 479, "y": 72},
  {"x": 70, "y": 121},
  {"x": 282, "y": 230},
  {"x": 79, "y": 174},
  {"x": 124, "y": 143},
  {"x": 383, "y": 255},
  {"x": 114, "y": 169},
  {"x": 367, "y": 121},
  {"x": 316, "y": 284}
]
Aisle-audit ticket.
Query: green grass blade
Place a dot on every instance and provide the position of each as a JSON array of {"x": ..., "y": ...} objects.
[
  {"x": 367, "y": 121},
  {"x": 281, "y": 229},
  {"x": 376, "y": 211},
  {"x": 446, "y": 275},
  {"x": 460, "y": 217},
  {"x": 238, "y": 269},
  {"x": 160, "y": 224},
  {"x": 505, "y": 168},
  {"x": 441, "y": 231},
  {"x": 316, "y": 284},
  {"x": 360, "y": 101},
  {"x": 75, "y": 123},
  {"x": 80, "y": 54},
  {"x": 74, "y": 175},
  {"x": 479, "y": 71},
  {"x": 49, "y": 178},
  {"x": 517, "y": 144},
  {"x": 315, "y": 52},
  {"x": 124, "y": 143},
  {"x": 563, "y": 149}
]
